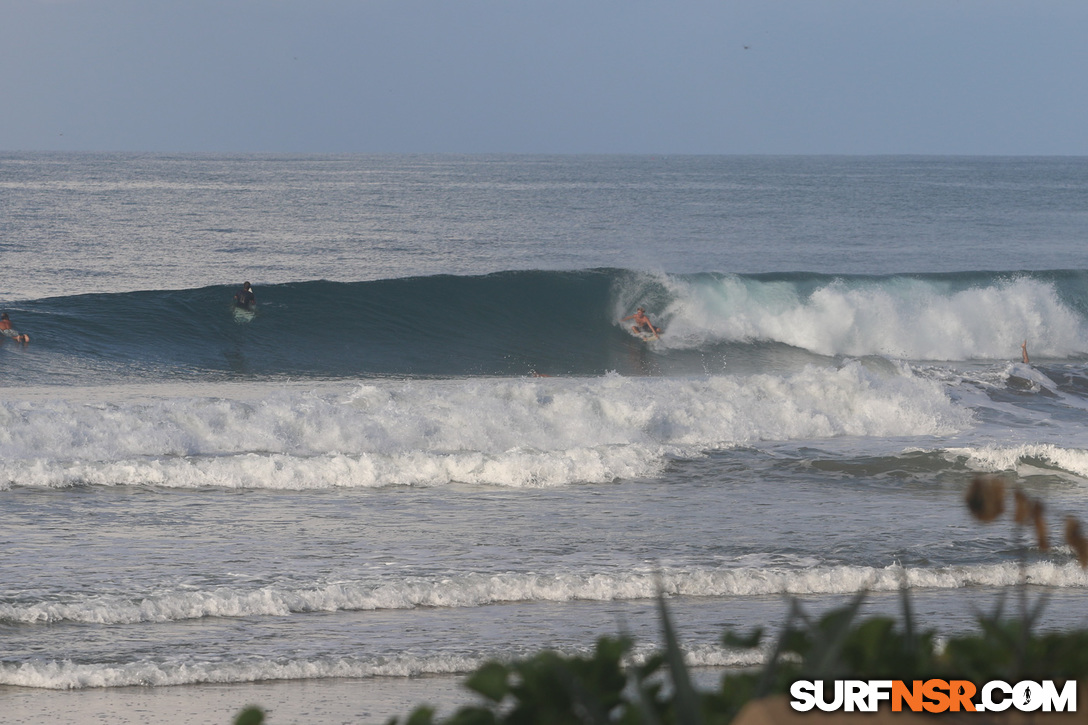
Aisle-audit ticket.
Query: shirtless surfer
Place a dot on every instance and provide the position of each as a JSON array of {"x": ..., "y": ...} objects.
[
  {"x": 642, "y": 324},
  {"x": 7, "y": 331}
]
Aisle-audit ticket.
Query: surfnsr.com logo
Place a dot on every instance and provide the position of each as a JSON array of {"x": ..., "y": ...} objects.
[{"x": 933, "y": 696}]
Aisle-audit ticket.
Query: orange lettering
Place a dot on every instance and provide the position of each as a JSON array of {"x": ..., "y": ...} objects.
[
  {"x": 961, "y": 692},
  {"x": 913, "y": 696},
  {"x": 935, "y": 691}
]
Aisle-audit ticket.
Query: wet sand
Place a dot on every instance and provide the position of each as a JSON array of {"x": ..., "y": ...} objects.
[
  {"x": 285, "y": 702},
  {"x": 288, "y": 702}
]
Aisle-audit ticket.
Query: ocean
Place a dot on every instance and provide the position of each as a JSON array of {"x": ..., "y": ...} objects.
[{"x": 437, "y": 443}]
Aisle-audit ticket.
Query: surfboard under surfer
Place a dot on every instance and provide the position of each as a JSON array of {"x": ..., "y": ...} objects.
[
  {"x": 245, "y": 298},
  {"x": 642, "y": 325},
  {"x": 7, "y": 331}
]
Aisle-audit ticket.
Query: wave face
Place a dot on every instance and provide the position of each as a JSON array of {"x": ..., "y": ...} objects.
[{"x": 555, "y": 323}]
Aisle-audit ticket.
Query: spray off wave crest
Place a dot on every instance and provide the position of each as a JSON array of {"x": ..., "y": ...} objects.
[
  {"x": 507, "y": 432},
  {"x": 929, "y": 317}
]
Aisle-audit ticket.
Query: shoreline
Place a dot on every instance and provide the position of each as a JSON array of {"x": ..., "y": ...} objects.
[
  {"x": 285, "y": 702},
  {"x": 365, "y": 701}
]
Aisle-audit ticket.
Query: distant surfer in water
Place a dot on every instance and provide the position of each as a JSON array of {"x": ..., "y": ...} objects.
[
  {"x": 7, "y": 331},
  {"x": 642, "y": 325},
  {"x": 1024, "y": 352},
  {"x": 245, "y": 298}
]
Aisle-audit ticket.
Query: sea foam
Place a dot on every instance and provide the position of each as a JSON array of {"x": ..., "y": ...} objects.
[
  {"x": 483, "y": 589},
  {"x": 510, "y": 432},
  {"x": 904, "y": 317},
  {"x": 1024, "y": 458}
]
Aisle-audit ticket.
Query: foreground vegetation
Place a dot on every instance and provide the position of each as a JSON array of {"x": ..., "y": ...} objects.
[{"x": 607, "y": 687}]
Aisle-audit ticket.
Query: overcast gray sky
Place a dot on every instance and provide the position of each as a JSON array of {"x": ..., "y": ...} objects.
[{"x": 546, "y": 76}]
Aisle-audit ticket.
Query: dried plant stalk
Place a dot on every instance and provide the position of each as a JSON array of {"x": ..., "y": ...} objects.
[
  {"x": 1075, "y": 538},
  {"x": 1024, "y": 506},
  {"x": 986, "y": 497},
  {"x": 1042, "y": 534}
]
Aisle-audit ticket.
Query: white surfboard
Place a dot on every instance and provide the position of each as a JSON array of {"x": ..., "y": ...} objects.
[{"x": 243, "y": 315}]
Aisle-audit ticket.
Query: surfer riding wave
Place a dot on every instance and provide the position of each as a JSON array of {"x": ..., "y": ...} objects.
[{"x": 642, "y": 325}]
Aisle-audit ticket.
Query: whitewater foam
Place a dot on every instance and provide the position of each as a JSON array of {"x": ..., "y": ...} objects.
[
  {"x": 912, "y": 318},
  {"x": 67, "y": 675},
  {"x": 1024, "y": 458},
  {"x": 483, "y": 589},
  {"x": 511, "y": 432}
]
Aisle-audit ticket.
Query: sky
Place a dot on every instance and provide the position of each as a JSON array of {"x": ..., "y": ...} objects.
[{"x": 971, "y": 77}]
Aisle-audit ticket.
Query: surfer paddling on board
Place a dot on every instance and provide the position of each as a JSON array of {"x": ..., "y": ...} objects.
[
  {"x": 7, "y": 331},
  {"x": 642, "y": 325},
  {"x": 245, "y": 298}
]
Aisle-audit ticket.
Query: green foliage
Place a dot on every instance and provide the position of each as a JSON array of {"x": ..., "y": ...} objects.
[
  {"x": 546, "y": 688},
  {"x": 606, "y": 688},
  {"x": 1004, "y": 650},
  {"x": 250, "y": 716},
  {"x": 685, "y": 700},
  {"x": 838, "y": 646}
]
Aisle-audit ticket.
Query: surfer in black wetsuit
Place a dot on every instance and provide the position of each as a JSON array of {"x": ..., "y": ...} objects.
[
  {"x": 245, "y": 298},
  {"x": 642, "y": 323}
]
